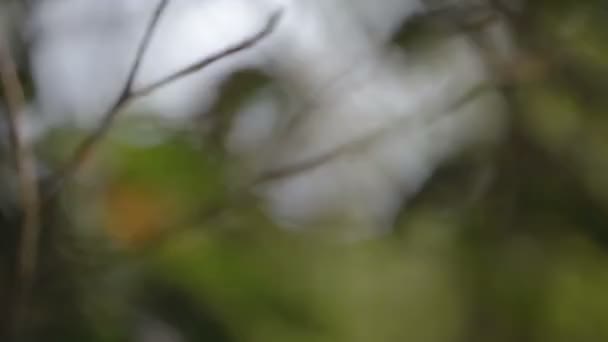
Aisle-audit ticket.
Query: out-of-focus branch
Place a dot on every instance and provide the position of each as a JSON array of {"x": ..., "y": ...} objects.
[
  {"x": 243, "y": 45},
  {"x": 128, "y": 94},
  {"x": 84, "y": 149},
  {"x": 409, "y": 122},
  {"x": 28, "y": 186}
]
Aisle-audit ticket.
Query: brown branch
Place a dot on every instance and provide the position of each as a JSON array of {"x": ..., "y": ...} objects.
[
  {"x": 128, "y": 94},
  {"x": 143, "y": 47},
  {"x": 28, "y": 187},
  {"x": 88, "y": 145},
  {"x": 409, "y": 122},
  {"x": 197, "y": 66}
]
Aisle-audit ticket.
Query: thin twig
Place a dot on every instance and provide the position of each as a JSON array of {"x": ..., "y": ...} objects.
[
  {"x": 128, "y": 94},
  {"x": 86, "y": 147},
  {"x": 409, "y": 122},
  {"x": 28, "y": 187},
  {"x": 197, "y": 66},
  {"x": 143, "y": 46}
]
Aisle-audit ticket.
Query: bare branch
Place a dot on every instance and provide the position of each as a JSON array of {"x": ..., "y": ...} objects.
[
  {"x": 128, "y": 94},
  {"x": 141, "y": 50},
  {"x": 245, "y": 44},
  {"x": 84, "y": 149},
  {"x": 28, "y": 187},
  {"x": 408, "y": 122}
]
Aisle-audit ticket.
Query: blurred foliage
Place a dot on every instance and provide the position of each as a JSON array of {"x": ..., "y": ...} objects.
[{"x": 153, "y": 234}]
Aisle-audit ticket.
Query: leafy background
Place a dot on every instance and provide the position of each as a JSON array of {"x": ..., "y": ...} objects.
[{"x": 156, "y": 246}]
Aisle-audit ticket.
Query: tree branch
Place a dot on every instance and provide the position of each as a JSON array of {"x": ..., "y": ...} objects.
[
  {"x": 27, "y": 252},
  {"x": 411, "y": 123},
  {"x": 83, "y": 150},
  {"x": 197, "y": 66}
]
